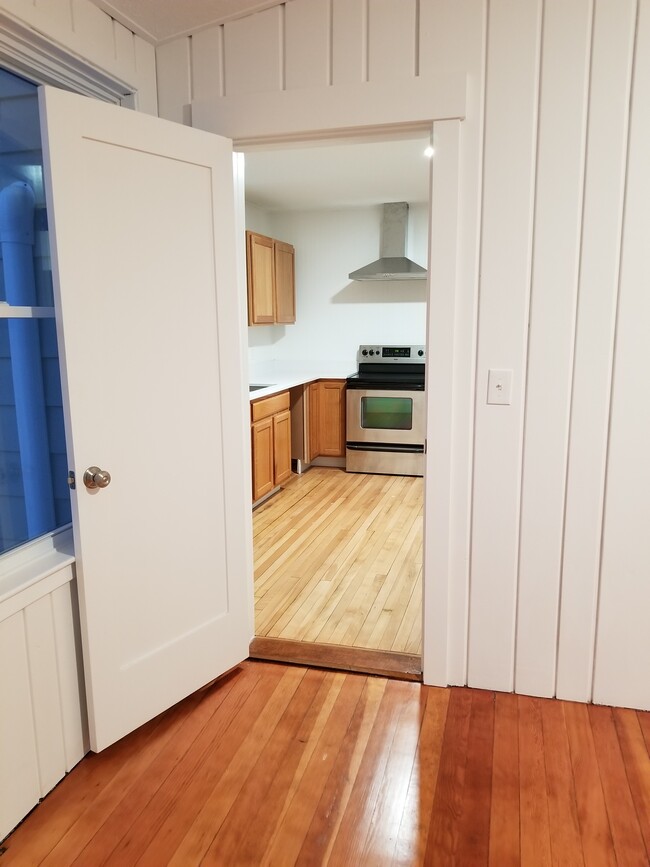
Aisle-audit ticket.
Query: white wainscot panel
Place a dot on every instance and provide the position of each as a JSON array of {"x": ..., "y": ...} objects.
[
  {"x": 54, "y": 16},
  {"x": 450, "y": 37},
  {"x": 73, "y": 39},
  {"x": 174, "y": 88},
  {"x": 508, "y": 184},
  {"x": 623, "y": 638},
  {"x": 43, "y": 714},
  {"x": 349, "y": 42},
  {"x": 94, "y": 27},
  {"x": 392, "y": 39},
  {"x": 307, "y": 41},
  {"x": 124, "y": 49},
  {"x": 611, "y": 65},
  {"x": 556, "y": 259},
  {"x": 253, "y": 53},
  {"x": 145, "y": 64},
  {"x": 207, "y": 64}
]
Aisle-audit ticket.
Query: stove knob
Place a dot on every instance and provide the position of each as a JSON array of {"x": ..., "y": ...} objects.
[
  {"x": 420, "y": 352},
  {"x": 364, "y": 352},
  {"x": 372, "y": 352}
]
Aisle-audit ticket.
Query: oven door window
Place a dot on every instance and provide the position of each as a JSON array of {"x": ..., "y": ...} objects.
[{"x": 387, "y": 413}]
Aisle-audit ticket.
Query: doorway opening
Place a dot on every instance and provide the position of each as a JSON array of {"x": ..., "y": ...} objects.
[{"x": 338, "y": 555}]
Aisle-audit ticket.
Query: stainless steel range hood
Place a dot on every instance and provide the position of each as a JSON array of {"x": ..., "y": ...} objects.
[{"x": 392, "y": 264}]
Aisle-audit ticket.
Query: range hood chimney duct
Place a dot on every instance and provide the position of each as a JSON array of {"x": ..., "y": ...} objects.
[{"x": 392, "y": 264}]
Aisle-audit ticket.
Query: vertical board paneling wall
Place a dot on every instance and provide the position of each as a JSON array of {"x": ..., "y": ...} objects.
[
  {"x": 91, "y": 35},
  {"x": 512, "y": 85},
  {"x": 564, "y": 77},
  {"x": 43, "y": 719},
  {"x": 548, "y": 559},
  {"x": 623, "y": 635},
  {"x": 606, "y": 149}
]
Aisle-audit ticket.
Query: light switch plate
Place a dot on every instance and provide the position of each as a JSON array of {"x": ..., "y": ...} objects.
[{"x": 499, "y": 387}]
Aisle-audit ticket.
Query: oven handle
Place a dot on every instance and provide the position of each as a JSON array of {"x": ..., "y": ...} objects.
[{"x": 386, "y": 447}]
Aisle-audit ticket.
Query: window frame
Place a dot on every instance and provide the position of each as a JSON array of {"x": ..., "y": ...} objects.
[{"x": 39, "y": 60}]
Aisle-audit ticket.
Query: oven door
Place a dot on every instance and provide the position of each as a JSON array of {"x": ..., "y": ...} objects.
[
  {"x": 381, "y": 416},
  {"x": 385, "y": 432}
]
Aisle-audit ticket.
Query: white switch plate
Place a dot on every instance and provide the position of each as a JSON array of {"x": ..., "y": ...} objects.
[{"x": 499, "y": 387}]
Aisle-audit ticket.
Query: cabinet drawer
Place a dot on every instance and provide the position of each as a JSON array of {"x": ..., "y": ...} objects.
[{"x": 269, "y": 406}]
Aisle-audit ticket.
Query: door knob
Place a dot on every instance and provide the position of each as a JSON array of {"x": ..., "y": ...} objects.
[{"x": 96, "y": 478}]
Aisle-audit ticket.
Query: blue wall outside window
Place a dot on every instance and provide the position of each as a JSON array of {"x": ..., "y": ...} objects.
[{"x": 34, "y": 496}]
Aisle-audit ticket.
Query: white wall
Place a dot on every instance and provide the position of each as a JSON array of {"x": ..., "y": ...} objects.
[
  {"x": 548, "y": 572},
  {"x": 334, "y": 314},
  {"x": 92, "y": 39}
]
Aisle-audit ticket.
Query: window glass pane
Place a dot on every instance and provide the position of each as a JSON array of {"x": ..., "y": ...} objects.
[
  {"x": 387, "y": 413},
  {"x": 34, "y": 496}
]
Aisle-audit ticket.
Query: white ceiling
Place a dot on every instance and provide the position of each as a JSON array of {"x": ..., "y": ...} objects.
[
  {"x": 160, "y": 20},
  {"x": 301, "y": 178},
  {"x": 338, "y": 176}
]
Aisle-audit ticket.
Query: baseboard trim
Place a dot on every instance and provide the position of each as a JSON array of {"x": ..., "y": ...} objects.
[{"x": 386, "y": 663}]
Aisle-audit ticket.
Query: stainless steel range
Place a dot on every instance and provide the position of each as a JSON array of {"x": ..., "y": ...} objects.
[{"x": 386, "y": 411}]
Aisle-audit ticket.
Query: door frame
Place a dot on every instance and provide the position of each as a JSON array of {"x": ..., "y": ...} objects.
[
  {"x": 440, "y": 589},
  {"x": 447, "y": 508}
]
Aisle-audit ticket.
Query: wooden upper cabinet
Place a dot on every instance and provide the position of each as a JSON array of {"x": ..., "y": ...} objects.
[
  {"x": 260, "y": 269},
  {"x": 271, "y": 280},
  {"x": 285, "y": 283}
]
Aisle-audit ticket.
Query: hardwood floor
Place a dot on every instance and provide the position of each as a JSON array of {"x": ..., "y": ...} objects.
[
  {"x": 338, "y": 560},
  {"x": 278, "y": 765}
]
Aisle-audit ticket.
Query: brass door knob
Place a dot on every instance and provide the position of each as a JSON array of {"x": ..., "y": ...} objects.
[{"x": 96, "y": 478}]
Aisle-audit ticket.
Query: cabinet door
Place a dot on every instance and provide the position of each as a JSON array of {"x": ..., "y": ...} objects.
[
  {"x": 263, "y": 458},
  {"x": 314, "y": 421},
  {"x": 282, "y": 446},
  {"x": 332, "y": 418},
  {"x": 285, "y": 283},
  {"x": 261, "y": 279}
]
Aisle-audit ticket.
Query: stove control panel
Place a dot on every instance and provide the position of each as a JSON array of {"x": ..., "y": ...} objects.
[{"x": 391, "y": 354}]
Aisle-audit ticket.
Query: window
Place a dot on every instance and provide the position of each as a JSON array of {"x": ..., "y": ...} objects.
[
  {"x": 387, "y": 413},
  {"x": 34, "y": 497}
]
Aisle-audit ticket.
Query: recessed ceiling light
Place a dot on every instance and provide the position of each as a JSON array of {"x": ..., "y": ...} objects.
[{"x": 429, "y": 152}]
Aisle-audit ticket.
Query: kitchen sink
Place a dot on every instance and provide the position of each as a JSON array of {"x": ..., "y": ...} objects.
[{"x": 257, "y": 387}]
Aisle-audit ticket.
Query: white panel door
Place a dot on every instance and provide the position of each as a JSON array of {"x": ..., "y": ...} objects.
[{"x": 142, "y": 223}]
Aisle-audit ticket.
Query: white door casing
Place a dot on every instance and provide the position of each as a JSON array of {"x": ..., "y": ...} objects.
[{"x": 148, "y": 318}]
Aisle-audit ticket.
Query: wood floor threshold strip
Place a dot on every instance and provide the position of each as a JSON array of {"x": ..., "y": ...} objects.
[{"x": 400, "y": 666}]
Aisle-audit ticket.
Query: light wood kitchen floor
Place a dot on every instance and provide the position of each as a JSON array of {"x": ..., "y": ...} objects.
[{"x": 338, "y": 560}]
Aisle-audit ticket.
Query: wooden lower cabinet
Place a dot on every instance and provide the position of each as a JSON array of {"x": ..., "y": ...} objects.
[
  {"x": 314, "y": 421},
  {"x": 263, "y": 458},
  {"x": 282, "y": 446},
  {"x": 270, "y": 443},
  {"x": 327, "y": 418}
]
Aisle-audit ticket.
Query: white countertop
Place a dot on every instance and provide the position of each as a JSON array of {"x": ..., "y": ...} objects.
[{"x": 277, "y": 376}]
